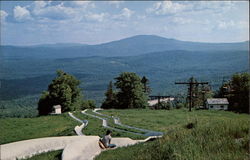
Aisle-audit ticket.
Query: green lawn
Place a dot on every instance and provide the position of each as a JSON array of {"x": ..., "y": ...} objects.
[
  {"x": 164, "y": 120},
  {"x": 112, "y": 124},
  {"x": 215, "y": 135},
  {"x": 53, "y": 155},
  {"x": 16, "y": 129}
]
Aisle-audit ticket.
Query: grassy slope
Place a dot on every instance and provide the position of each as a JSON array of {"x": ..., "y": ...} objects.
[
  {"x": 112, "y": 124},
  {"x": 216, "y": 135},
  {"x": 16, "y": 129}
]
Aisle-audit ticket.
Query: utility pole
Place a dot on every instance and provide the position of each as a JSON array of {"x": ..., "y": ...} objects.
[{"x": 191, "y": 84}]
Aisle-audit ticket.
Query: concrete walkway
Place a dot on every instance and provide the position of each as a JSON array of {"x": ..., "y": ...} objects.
[
  {"x": 74, "y": 147},
  {"x": 28, "y": 148},
  {"x": 90, "y": 148}
]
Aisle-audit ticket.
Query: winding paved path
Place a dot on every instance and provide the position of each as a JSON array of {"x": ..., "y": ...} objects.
[
  {"x": 105, "y": 123},
  {"x": 78, "y": 129}
]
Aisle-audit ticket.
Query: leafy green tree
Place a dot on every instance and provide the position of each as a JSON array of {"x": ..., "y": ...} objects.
[
  {"x": 200, "y": 93},
  {"x": 130, "y": 94},
  {"x": 237, "y": 90},
  {"x": 63, "y": 90},
  {"x": 88, "y": 104},
  {"x": 238, "y": 93},
  {"x": 145, "y": 83},
  {"x": 110, "y": 101}
]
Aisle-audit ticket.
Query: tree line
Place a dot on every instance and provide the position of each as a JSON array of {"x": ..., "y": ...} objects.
[
  {"x": 65, "y": 91},
  {"x": 131, "y": 91}
]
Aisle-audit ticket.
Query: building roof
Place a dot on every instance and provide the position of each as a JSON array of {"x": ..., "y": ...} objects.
[
  {"x": 217, "y": 101},
  {"x": 57, "y": 106}
]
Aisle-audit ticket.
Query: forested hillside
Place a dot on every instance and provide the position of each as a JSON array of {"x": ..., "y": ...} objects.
[{"x": 25, "y": 74}]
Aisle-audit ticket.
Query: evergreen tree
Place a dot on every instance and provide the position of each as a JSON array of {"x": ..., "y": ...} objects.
[
  {"x": 44, "y": 104},
  {"x": 63, "y": 90},
  {"x": 145, "y": 83},
  {"x": 130, "y": 94},
  {"x": 110, "y": 100}
]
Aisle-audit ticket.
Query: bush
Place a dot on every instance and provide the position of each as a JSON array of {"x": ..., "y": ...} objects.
[
  {"x": 179, "y": 105},
  {"x": 163, "y": 105},
  {"x": 88, "y": 104}
]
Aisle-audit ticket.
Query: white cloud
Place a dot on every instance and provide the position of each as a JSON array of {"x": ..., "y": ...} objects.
[
  {"x": 213, "y": 5},
  {"x": 65, "y": 11},
  {"x": 57, "y": 12},
  {"x": 226, "y": 24},
  {"x": 96, "y": 17},
  {"x": 21, "y": 13},
  {"x": 180, "y": 20},
  {"x": 125, "y": 14},
  {"x": 40, "y": 4},
  {"x": 3, "y": 15},
  {"x": 167, "y": 7},
  {"x": 116, "y": 3},
  {"x": 243, "y": 24},
  {"x": 141, "y": 17},
  {"x": 82, "y": 4}
]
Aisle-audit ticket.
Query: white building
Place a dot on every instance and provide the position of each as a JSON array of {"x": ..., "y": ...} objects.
[
  {"x": 57, "y": 109},
  {"x": 217, "y": 103}
]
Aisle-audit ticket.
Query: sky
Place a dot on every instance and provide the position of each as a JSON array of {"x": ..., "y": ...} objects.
[{"x": 94, "y": 22}]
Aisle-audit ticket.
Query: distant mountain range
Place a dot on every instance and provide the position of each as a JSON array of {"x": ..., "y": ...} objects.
[
  {"x": 132, "y": 46},
  {"x": 25, "y": 71}
]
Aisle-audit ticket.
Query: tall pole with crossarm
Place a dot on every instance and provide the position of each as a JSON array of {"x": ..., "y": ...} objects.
[{"x": 191, "y": 84}]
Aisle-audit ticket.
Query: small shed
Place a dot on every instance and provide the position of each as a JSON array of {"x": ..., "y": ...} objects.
[
  {"x": 217, "y": 103},
  {"x": 57, "y": 109}
]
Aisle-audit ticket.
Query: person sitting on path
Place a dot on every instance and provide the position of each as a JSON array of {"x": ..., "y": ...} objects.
[{"x": 106, "y": 140}]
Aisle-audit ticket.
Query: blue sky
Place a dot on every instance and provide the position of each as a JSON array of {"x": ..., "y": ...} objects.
[{"x": 89, "y": 22}]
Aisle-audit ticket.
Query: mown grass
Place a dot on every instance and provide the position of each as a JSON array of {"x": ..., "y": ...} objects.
[
  {"x": 53, "y": 155},
  {"x": 95, "y": 128},
  {"x": 164, "y": 120},
  {"x": 213, "y": 135},
  {"x": 16, "y": 129}
]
